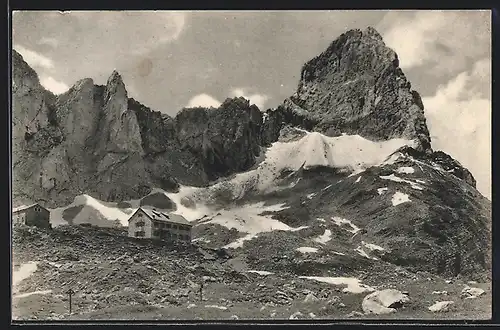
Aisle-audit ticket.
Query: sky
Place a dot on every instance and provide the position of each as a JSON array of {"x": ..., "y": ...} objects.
[{"x": 174, "y": 59}]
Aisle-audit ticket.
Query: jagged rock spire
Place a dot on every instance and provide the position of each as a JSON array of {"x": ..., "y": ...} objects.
[{"x": 357, "y": 87}]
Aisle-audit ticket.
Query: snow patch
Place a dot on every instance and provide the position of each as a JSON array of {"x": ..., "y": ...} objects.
[
  {"x": 354, "y": 285},
  {"x": 260, "y": 272},
  {"x": 109, "y": 211},
  {"x": 307, "y": 249},
  {"x": 27, "y": 294},
  {"x": 346, "y": 151},
  {"x": 363, "y": 253},
  {"x": 321, "y": 219},
  {"x": 405, "y": 170},
  {"x": 399, "y": 198},
  {"x": 339, "y": 222},
  {"x": 326, "y": 237},
  {"x": 25, "y": 271},
  {"x": 189, "y": 213},
  {"x": 326, "y": 188},
  {"x": 311, "y": 196},
  {"x": 382, "y": 190},
  {"x": 372, "y": 247},
  {"x": 358, "y": 179},
  {"x": 216, "y": 306},
  {"x": 394, "y": 178}
]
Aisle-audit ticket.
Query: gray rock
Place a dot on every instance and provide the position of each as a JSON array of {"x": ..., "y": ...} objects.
[{"x": 383, "y": 302}]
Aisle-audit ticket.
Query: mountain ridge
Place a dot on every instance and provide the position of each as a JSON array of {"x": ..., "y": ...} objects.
[{"x": 122, "y": 133}]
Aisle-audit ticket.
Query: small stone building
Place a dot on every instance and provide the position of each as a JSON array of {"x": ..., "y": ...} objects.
[
  {"x": 31, "y": 215},
  {"x": 158, "y": 224}
]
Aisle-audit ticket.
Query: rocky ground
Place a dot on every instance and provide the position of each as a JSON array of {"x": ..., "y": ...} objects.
[{"x": 116, "y": 277}]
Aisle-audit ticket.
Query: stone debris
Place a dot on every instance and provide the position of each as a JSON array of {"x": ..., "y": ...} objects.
[
  {"x": 383, "y": 302},
  {"x": 310, "y": 298},
  {"x": 471, "y": 293},
  {"x": 441, "y": 306},
  {"x": 296, "y": 316}
]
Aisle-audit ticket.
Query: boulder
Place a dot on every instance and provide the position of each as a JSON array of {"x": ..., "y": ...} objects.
[
  {"x": 471, "y": 293},
  {"x": 384, "y": 301},
  {"x": 441, "y": 306}
]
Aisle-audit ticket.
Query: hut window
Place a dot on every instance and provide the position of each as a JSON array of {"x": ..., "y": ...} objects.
[{"x": 139, "y": 224}]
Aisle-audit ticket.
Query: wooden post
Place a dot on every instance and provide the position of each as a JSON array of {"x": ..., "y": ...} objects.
[{"x": 70, "y": 292}]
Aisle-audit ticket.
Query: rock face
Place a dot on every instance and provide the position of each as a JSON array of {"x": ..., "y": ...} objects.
[
  {"x": 94, "y": 139},
  {"x": 357, "y": 87},
  {"x": 225, "y": 140}
]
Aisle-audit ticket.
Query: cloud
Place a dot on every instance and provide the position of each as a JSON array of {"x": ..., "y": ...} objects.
[
  {"x": 56, "y": 87},
  {"x": 443, "y": 40},
  {"x": 258, "y": 99},
  {"x": 53, "y": 42},
  {"x": 203, "y": 100},
  {"x": 136, "y": 32},
  {"x": 33, "y": 58},
  {"x": 459, "y": 119}
]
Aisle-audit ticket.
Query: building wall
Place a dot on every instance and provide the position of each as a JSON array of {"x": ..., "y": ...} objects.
[
  {"x": 38, "y": 216},
  {"x": 34, "y": 216},
  {"x": 174, "y": 231},
  {"x": 133, "y": 228},
  {"x": 18, "y": 218}
]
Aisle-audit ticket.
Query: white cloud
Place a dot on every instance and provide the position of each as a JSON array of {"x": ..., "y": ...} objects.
[
  {"x": 442, "y": 39},
  {"x": 258, "y": 99},
  {"x": 459, "y": 119},
  {"x": 33, "y": 58},
  {"x": 56, "y": 87},
  {"x": 133, "y": 31},
  {"x": 203, "y": 100},
  {"x": 53, "y": 42}
]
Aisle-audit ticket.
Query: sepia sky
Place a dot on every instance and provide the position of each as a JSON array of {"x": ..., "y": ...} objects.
[{"x": 169, "y": 60}]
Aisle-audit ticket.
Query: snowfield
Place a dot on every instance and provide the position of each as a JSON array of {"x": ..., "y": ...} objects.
[
  {"x": 25, "y": 271},
  {"x": 249, "y": 219},
  {"x": 348, "y": 151},
  {"x": 325, "y": 238},
  {"x": 307, "y": 249},
  {"x": 394, "y": 178},
  {"x": 108, "y": 211},
  {"x": 399, "y": 198},
  {"x": 260, "y": 272},
  {"x": 339, "y": 222},
  {"x": 405, "y": 170},
  {"x": 354, "y": 285},
  {"x": 380, "y": 191}
]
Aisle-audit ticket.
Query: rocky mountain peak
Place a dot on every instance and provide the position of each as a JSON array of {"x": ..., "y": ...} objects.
[
  {"x": 115, "y": 85},
  {"x": 372, "y": 32},
  {"x": 357, "y": 87}
]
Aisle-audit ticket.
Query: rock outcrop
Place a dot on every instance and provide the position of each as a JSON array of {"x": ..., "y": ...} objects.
[
  {"x": 357, "y": 87},
  {"x": 95, "y": 139},
  {"x": 226, "y": 140}
]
